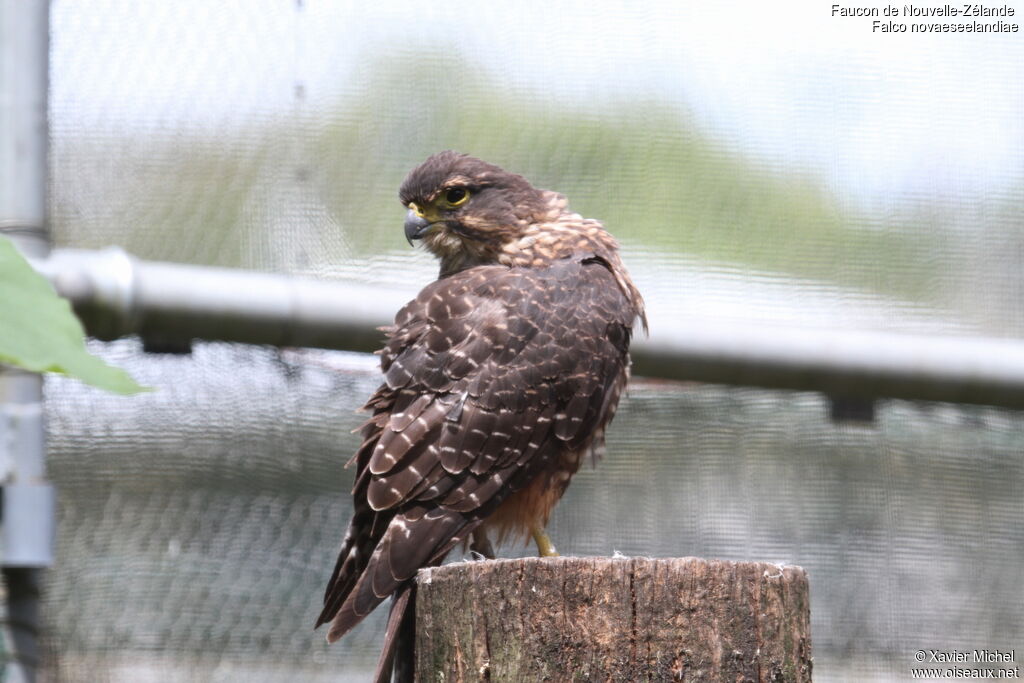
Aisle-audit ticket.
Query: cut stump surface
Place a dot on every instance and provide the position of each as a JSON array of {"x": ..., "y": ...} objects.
[{"x": 612, "y": 619}]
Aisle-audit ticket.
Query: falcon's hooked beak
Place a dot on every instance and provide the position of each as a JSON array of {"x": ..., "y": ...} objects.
[{"x": 416, "y": 225}]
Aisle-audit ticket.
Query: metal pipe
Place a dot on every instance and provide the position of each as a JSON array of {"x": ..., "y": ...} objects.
[
  {"x": 117, "y": 295},
  {"x": 24, "y": 80},
  {"x": 840, "y": 363},
  {"x": 28, "y": 501}
]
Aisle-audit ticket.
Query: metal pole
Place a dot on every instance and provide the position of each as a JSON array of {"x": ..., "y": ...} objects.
[
  {"x": 26, "y": 537},
  {"x": 116, "y": 295},
  {"x": 847, "y": 363}
]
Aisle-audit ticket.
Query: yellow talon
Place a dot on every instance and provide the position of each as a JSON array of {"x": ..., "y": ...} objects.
[{"x": 545, "y": 548}]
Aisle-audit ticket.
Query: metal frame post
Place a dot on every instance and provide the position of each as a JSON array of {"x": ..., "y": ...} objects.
[{"x": 26, "y": 534}]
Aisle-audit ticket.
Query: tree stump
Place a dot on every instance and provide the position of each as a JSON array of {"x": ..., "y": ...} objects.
[{"x": 611, "y": 619}]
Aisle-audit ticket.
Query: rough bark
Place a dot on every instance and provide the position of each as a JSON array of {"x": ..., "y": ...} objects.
[{"x": 611, "y": 619}]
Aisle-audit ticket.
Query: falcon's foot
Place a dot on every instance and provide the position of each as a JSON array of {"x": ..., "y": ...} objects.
[
  {"x": 545, "y": 548},
  {"x": 481, "y": 545}
]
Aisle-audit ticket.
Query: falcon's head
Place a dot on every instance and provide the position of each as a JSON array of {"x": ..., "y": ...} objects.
[{"x": 468, "y": 211}]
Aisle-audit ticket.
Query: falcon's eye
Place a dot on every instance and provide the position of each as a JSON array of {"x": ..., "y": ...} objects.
[{"x": 456, "y": 196}]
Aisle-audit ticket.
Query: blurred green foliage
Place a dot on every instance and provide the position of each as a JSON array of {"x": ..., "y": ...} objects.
[
  {"x": 643, "y": 167},
  {"x": 38, "y": 331}
]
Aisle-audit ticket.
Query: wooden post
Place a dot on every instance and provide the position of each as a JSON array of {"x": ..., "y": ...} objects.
[{"x": 611, "y": 619}]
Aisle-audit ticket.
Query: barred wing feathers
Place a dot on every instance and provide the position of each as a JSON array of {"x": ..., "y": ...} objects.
[{"x": 490, "y": 375}]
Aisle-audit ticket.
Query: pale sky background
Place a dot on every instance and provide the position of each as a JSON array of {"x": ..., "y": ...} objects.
[{"x": 883, "y": 116}]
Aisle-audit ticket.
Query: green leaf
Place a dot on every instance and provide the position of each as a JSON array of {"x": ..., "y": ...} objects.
[{"x": 39, "y": 332}]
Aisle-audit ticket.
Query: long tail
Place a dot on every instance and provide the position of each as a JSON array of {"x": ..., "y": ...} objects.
[
  {"x": 398, "y": 654},
  {"x": 364, "y": 533}
]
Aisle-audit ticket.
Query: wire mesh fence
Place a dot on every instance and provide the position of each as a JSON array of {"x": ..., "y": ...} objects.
[
  {"x": 850, "y": 185},
  {"x": 198, "y": 523}
]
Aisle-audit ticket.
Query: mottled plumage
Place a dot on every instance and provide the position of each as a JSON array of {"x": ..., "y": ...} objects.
[{"x": 499, "y": 378}]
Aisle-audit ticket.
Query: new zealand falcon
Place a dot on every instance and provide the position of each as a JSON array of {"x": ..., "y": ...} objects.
[{"x": 499, "y": 379}]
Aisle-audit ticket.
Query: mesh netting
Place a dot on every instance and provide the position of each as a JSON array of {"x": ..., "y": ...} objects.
[
  {"x": 198, "y": 523},
  {"x": 758, "y": 171}
]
